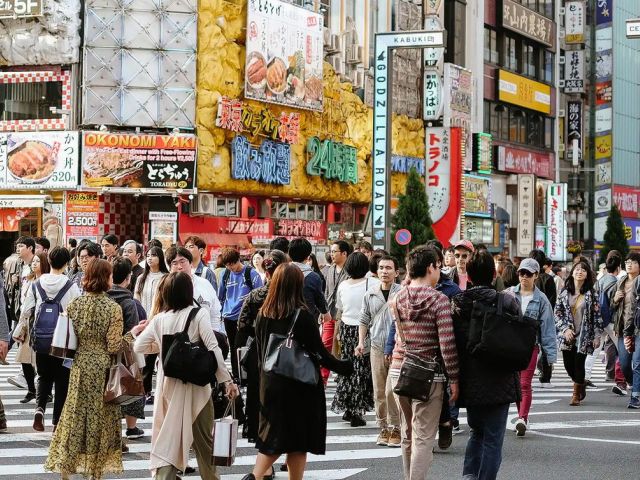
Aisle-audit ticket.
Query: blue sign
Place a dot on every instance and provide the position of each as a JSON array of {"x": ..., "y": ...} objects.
[
  {"x": 270, "y": 164},
  {"x": 632, "y": 231},
  {"x": 403, "y": 237},
  {"x": 604, "y": 11},
  {"x": 402, "y": 164}
]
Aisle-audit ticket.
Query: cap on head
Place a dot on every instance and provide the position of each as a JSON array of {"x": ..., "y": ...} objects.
[
  {"x": 530, "y": 265},
  {"x": 466, "y": 244}
]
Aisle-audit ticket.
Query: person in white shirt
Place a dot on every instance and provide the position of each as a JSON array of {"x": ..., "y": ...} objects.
[{"x": 179, "y": 260}]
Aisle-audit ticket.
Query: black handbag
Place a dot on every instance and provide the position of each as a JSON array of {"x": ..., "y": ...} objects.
[
  {"x": 416, "y": 374},
  {"x": 286, "y": 357},
  {"x": 190, "y": 362}
]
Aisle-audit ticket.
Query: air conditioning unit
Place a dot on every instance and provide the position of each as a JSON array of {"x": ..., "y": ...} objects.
[
  {"x": 326, "y": 36},
  {"x": 561, "y": 59},
  {"x": 358, "y": 80},
  {"x": 335, "y": 43},
  {"x": 562, "y": 112},
  {"x": 355, "y": 55},
  {"x": 335, "y": 61},
  {"x": 203, "y": 204}
]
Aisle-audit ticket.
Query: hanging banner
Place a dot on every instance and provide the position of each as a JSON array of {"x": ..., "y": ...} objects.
[
  {"x": 483, "y": 152},
  {"x": 82, "y": 209},
  {"x": 479, "y": 230},
  {"x": 604, "y": 39},
  {"x": 458, "y": 106},
  {"x": 432, "y": 108},
  {"x": 604, "y": 65},
  {"x": 574, "y": 128},
  {"x": 574, "y": 72},
  {"x": 477, "y": 196},
  {"x": 284, "y": 59},
  {"x": 526, "y": 214},
  {"x": 627, "y": 199},
  {"x": 574, "y": 22},
  {"x": 556, "y": 232}
]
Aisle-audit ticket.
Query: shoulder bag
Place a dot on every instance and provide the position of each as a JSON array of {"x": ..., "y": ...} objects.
[
  {"x": 286, "y": 357},
  {"x": 124, "y": 384},
  {"x": 416, "y": 374},
  {"x": 190, "y": 362}
]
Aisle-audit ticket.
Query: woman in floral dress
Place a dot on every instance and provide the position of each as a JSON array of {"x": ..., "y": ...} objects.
[{"x": 88, "y": 437}]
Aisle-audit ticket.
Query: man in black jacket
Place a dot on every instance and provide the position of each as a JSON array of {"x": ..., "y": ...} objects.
[
  {"x": 485, "y": 391},
  {"x": 300, "y": 250}
]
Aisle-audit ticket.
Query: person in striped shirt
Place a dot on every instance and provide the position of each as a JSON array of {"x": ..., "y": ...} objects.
[{"x": 425, "y": 329}]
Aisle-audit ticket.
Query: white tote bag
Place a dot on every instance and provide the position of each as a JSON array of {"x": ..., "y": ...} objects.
[
  {"x": 225, "y": 438},
  {"x": 65, "y": 341}
]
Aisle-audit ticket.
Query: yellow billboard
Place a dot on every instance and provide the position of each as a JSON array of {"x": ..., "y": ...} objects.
[
  {"x": 526, "y": 93},
  {"x": 603, "y": 147}
]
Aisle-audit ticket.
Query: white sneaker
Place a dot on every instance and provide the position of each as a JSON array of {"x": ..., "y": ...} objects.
[
  {"x": 18, "y": 381},
  {"x": 521, "y": 427},
  {"x": 546, "y": 385}
]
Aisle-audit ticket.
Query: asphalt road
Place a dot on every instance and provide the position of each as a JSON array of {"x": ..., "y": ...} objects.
[{"x": 600, "y": 439}]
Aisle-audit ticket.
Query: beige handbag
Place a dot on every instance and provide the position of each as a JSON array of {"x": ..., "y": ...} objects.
[{"x": 124, "y": 384}]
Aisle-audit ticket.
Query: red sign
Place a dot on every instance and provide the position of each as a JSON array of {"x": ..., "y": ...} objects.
[
  {"x": 82, "y": 216},
  {"x": 302, "y": 228},
  {"x": 627, "y": 200},
  {"x": 522, "y": 161},
  {"x": 403, "y": 237}
]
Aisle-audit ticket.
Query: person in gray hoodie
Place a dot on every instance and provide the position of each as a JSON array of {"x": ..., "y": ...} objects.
[
  {"x": 51, "y": 370},
  {"x": 376, "y": 320}
]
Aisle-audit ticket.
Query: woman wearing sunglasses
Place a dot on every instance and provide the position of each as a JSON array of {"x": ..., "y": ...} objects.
[
  {"x": 534, "y": 305},
  {"x": 579, "y": 325}
]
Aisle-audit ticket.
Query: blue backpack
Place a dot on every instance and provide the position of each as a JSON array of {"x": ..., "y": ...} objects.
[
  {"x": 46, "y": 318},
  {"x": 605, "y": 304}
]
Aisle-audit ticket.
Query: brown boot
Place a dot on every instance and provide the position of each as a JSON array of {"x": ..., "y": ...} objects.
[
  {"x": 582, "y": 390},
  {"x": 575, "y": 399}
]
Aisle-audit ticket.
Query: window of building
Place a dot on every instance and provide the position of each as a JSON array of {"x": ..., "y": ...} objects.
[
  {"x": 546, "y": 75},
  {"x": 528, "y": 60},
  {"x": 373, "y": 29},
  {"x": 517, "y": 126},
  {"x": 548, "y": 132},
  {"x": 455, "y": 21},
  {"x": 325, "y": 9},
  {"x": 227, "y": 207},
  {"x": 297, "y": 211},
  {"x": 510, "y": 61},
  {"x": 491, "y": 46},
  {"x": 534, "y": 130}
]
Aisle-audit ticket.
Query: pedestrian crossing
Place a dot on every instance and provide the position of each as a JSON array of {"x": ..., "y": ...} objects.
[{"x": 353, "y": 450}]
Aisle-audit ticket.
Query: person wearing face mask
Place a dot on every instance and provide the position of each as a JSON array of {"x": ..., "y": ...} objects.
[
  {"x": 579, "y": 325},
  {"x": 458, "y": 274},
  {"x": 535, "y": 305},
  {"x": 133, "y": 251}
]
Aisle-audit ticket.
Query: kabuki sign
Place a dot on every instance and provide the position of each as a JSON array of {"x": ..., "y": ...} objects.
[
  {"x": 383, "y": 95},
  {"x": 556, "y": 234}
]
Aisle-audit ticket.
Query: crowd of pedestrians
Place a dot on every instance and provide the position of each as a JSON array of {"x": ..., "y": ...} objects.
[{"x": 363, "y": 316}]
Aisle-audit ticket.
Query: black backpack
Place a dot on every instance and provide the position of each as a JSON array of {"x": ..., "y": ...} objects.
[
  {"x": 501, "y": 339},
  {"x": 46, "y": 318},
  {"x": 225, "y": 280}
]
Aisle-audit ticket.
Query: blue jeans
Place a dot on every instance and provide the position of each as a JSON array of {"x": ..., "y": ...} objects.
[
  {"x": 630, "y": 364},
  {"x": 484, "y": 448}
]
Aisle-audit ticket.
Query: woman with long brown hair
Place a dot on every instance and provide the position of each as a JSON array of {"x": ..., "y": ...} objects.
[{"x": 293, "y": 419}]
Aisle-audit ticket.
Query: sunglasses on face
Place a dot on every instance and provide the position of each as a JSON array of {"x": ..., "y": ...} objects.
[
  {"x": 463, "y": 256},
  {"x": 525, "y": 273}
]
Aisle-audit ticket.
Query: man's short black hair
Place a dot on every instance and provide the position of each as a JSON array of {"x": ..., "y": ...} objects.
[
  {"x": 154, "y": 242},
  {"x": 365, "y": 245},
  {"x": 59, "y": 257},
  {"x": 438, "y": 251},
  {"x": 633, "y": 256},
  {"x": 344, "y": 246},
  {"x": 538, "y": 256},
  {"x": 173, "y": 252},
  {"x": 435, "y": 243},
  {"x": 43, "y": 242},
  {"x": 93, "y": 249},
  {"x": 279, "y": 243},
  {"x": 389, "y": 258},
  {"x": 547, "y": 262},
  {"x": 28, "y": 242},
  {"x": 481, "y": 268},
  {"x": 73, "y": 243},
  {"x": 613, "y": 263},
  {"x": 357, "y": 265},
  {"x": 299, "y": 249},
  {"x": 121, "y": 269},
  {"x": 419, "y": 259},
  {"x": 111, "y": 238},
  {"x": 373, "y": 263}
]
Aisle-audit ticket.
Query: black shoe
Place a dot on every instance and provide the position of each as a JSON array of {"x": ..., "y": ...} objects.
[
  {"x": 38, "y": 420},
  {"x": 358, "y": 421},
  {"x": 271, "y": 475},
  {"x": 589, "y": 384},
  {"x": 187, "y": 471},
  {"x": 249, "y": 476},
  {"x": 284, "y": 468},
  {"x": 346, "y": 417},
  {"x": 134, "y": 433},
  {"x": 445, "y": 436},
  {"x": 149, "y": 400},
  {"x": 28, "y": 397}
]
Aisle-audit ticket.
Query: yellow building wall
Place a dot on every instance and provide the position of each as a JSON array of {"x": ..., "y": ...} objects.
[{"x": 221, "y": 57}]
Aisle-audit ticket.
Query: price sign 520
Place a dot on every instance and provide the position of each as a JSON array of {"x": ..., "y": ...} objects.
[{"x": 82, "y": 221}]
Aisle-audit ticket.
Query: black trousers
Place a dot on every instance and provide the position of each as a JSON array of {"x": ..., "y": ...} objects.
[
  {"x": 147, "y": 372},
  {"x": 51, "y": 372},
  {"x": 231, "y": 326},
  {"x": 546, "y": 370},
  {"x": 30, "y": 376},
  {"x": 574, "y": 364}
]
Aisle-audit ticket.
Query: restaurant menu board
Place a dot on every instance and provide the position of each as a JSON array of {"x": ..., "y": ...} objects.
[
  {"x": 39, "y": 160},
  {"x": 284, "y": 62},
  {"x": 138, "y": 161},
  {"x": 82, "y": 216},
  {"x": 164, "y": 227}
]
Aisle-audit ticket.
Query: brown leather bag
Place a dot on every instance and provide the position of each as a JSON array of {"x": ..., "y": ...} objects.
[{"x": 124, "y": 384}]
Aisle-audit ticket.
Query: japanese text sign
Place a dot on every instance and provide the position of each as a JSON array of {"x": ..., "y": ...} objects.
[
  {"x": 139, "y": 161},
  {"x": 526, "y": 93},
  {"x": 632, "y": 231},
  {"x": 479, "y": 230},
  {"x": 39, "y": 160},
  {"x": 333, "y": 160},
  {"x": 556, "y": 232},
  {"x": 483, "y": 152},
  {"x": 20, "y": 8},
  {"x": 302, "y": 228},
  {"x": 574, "y": 72},
  {"x": 402, "y": 164},
  {"x": 285, "y": 59},
  {"x": 627, "y": 199},
  {"x": 523, "y": 161},
  {"x": 477, "y": 196},
  {"x": 526, "y": 217},
  {"x": 82, "y": 209},
  {"x": 438, "y": 151},
  {"x": 520, "y": 19},
  {"x": 604, "y": 93},
  {"x": 574, "y": 128},
  {"x": 575, "y": 22},
  {"x": 432, "y": 109},
  {"x": 458, "y": 106},
  {"x": 269, "y": 164}
]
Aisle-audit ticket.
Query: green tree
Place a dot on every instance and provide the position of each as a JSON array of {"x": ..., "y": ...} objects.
[
  {"x": 412, "y": 214},
  {"x": 615, "y": 237}
]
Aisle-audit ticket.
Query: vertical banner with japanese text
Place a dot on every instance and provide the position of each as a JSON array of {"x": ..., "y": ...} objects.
[
  {"x": 82, "y": 216},
  {"x": 526, "y": 209}
]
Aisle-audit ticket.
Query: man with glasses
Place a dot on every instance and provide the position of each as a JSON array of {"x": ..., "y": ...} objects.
[
  {"x": 628, "y": 333},
  {"x": 461, "y": 252},
  {"x": 88, "y": 252}
]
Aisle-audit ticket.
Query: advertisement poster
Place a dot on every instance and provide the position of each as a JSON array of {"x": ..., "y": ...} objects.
[
  {"x": 284, "y": 61},
  {"x": 523, "y": 161},
  {"x": 526, "y": 217},
  {"x": 523, "y": 92},
  {"x": 604, "y": 144},
  {"x": 604, "y": 93},
  {"x": 632, "y": 230},
  {"x": 604, "y": 117},
  {"x": 139, "y": 161},
  {"x": 82, "y": 216},
  {"x": 604, "y": 11},
  {"x": 39, "y": 160},
  {"x": 556, "y": 232},
  {"x": 604, "y": 174},
  {"x": 575, "y": 20},
  {"x": 458, "y": 106},
  {"x": 604, "y": 65},
  {"x": 477, "y": 196},
  {"x": 627, "y": 199},
  {"x": 164, "y": 227},
  {"x": 604, "y": 39}
]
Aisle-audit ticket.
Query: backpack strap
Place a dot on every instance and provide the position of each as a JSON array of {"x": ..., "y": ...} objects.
[
  {"x": 247, "y": 277},
  {"x": 191, "y": 316},
  {"x": 225, "y": 280},
  {"x": 43, "y": 294},
  {"x": 500, "y": 303}
]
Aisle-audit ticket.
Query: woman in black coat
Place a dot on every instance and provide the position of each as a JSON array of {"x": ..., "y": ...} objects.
[{"x": 293, "y": 419}]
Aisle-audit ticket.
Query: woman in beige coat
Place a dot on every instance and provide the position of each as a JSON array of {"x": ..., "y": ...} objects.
[{"x": 182, "y": 412}]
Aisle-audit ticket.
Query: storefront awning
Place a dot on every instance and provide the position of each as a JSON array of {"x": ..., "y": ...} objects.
[
  {"x": 22, "y": 201},
  {"x": 220, "y": 239}
]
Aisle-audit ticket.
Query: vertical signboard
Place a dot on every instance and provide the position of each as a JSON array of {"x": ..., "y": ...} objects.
[
  {"x": 432, "y": 108},
  {"x": 526, "y": 209},
  {"x": 82, "y": 216},
  {"x": 483, "y": 152},
  {"x": 574, "y": 128},
  {"x": 604, "y": 11},
  {"x": 458, "y": 106},
  {"x": 574, "y": 72},
  {"x": 438, "y": 147},
  {"x": 574, "y": 22},
  {"x": 556, "y": 232}
]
